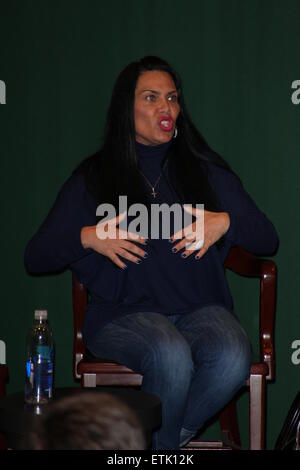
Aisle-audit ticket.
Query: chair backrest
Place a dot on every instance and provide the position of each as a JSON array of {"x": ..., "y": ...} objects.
[{"x": 239, "y": 261}]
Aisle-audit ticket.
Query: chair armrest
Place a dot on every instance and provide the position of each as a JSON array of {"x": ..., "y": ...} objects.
[{"x": 246, "y": 264}]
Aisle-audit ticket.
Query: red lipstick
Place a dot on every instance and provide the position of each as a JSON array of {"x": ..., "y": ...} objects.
[{"x": 166, "y": 123}]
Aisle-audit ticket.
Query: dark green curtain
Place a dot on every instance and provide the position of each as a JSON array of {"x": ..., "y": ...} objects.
[{"x": 238, "y": 60}]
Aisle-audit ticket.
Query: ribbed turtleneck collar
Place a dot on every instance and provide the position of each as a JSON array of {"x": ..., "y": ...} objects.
[{"x": 152, "y": 153}]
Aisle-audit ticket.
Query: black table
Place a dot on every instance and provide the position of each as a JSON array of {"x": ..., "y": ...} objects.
[{"x": 16, "y": 418}]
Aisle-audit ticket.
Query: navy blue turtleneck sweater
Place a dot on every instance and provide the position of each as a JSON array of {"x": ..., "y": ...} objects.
[{"x": 164, "y": 282}]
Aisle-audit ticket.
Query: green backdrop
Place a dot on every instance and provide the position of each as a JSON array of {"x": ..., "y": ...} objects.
[{"x": 237, "y": 59}]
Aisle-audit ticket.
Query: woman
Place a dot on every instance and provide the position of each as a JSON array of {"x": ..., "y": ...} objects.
[{"x": 164, "y": 313}]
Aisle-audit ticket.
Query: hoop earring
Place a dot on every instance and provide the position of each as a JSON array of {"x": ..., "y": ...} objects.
[{"x": 175, "y": 133}]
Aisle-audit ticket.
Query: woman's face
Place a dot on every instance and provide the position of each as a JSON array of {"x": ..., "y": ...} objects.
[{"x": 156, "y": 108}]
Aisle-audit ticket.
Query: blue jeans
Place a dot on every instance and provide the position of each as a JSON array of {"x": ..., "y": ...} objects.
[{"x": 194, "y": 362}]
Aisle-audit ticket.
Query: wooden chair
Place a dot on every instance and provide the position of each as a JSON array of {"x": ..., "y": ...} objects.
[
  {"x": 3, "y": 380},
  {"x": 105, "y": 372}
]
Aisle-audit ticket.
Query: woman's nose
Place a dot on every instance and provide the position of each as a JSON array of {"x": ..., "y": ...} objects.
[{"x": 164, "y": 105}]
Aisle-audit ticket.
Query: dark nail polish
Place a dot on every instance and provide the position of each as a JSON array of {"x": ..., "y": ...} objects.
[
  {"x": 184, "y": 255},
  {"x": 145, "y": 255},
  {"x": 124, "y": 267},
  {"x": 174, "y": 250},
  {"x": 138, "y": 261}
]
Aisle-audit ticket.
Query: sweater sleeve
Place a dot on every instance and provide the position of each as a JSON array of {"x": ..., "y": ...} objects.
[
  {"x": 249, "y": 226},
  {"x": 57, "y": 242}
]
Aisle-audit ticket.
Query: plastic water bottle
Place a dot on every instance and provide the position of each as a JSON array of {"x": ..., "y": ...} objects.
[{"x": 39, "y": 361}]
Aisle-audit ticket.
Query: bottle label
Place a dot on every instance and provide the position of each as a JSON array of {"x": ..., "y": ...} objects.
[
  {"x": 28, "y": 369},
  {"x": 39, "y": 374}
]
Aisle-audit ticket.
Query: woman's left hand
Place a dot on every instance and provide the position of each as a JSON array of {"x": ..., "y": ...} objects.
[{"x": 212, "y": 226}]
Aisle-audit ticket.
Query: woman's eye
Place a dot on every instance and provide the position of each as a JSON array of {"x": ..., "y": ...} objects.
[
  {"x": 172, "y": 98},
  {"x": 150, "y": 97}
]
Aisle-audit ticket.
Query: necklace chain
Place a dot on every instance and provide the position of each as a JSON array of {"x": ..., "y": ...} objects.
[{"x": 153, "y": 193}]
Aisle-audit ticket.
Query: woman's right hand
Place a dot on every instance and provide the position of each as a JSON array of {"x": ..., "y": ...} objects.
[{"x": 113, "y": 247}]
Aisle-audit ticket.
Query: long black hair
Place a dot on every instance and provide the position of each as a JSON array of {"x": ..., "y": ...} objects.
[{"x": 113, "y": 170}]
